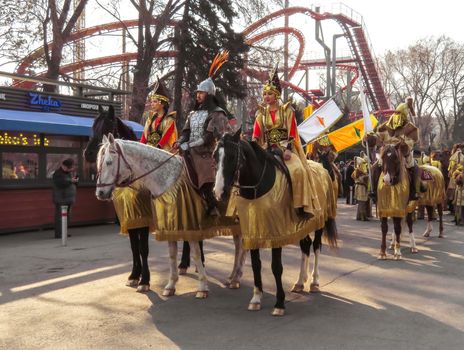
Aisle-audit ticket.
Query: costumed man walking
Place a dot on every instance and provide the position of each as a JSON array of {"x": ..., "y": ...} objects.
[
  {"x": 399, "y": 131},
  {"x": 204, "y": 125},
  {"x": 275, "y": 130},
  {"x": 456, "y": 160},
  {"x": 361, "y": 177}
]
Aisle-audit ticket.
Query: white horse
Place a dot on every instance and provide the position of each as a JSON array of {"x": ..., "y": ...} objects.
[{"x": 123, "y": 163}]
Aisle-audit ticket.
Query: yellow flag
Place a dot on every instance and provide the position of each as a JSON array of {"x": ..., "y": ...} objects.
[{"x": 347, "y": 136}]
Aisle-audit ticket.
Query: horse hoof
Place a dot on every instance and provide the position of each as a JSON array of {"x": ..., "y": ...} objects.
[
  {"x": 314, "y": 288},
  {"x": 414, "y": 250},
  {"x": 234, "y": 285},
  {"x": 143, "y": 288},
  {"x": 254, "y": 306},
  {"x": 278, "y": 312},
  {"x": 132, "y": 283},
  {"x": 441, "y": 235},
  {"x": 426, "y": 234},
  {"x": 382, "y": 256},
  {"x": 201, "y": 294},
  {"x": 169, "y": 292},
  {"x": 397, "y": 257},
  {"x": 298, "y": 288},
  {"x": 182, "y": 271}
]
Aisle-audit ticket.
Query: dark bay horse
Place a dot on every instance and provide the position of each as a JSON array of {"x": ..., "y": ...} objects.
[
  {"x": 255, "y": 171},
  {"x": 107, "y": 122}
]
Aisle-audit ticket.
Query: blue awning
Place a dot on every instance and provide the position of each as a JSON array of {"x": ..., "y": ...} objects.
[{"x": 52, "y": 123}]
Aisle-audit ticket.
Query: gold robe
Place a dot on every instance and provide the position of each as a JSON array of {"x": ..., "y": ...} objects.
[{"x": 435, "y": 193}]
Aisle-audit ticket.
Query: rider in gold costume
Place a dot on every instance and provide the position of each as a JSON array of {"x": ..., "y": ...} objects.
[{"x": 275, "y": 130}]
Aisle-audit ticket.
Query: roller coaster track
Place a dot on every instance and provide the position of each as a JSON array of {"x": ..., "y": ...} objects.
[{"x": 352, "y": 29}]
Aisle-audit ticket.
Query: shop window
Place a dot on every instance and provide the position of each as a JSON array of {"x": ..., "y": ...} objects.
[
  {"x": 54, "y": 162},
  {"x": 63, "y": 141},
  {"x": 20, "y": 166}
]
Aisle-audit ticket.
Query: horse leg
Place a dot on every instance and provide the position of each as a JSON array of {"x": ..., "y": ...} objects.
[
  {"x": 314, "y": 286},
  {"x": 440, "y": 218},
  {"x": 202, "y": 291},
  {"x": 255, "y": 302},
  {"x": 305, "y": 246},
  {"x": 134, "y": 277},
  {"x": 170, "y": 288},
  {"x": 277, "y": 269},
  {"x": 412, "y": 240},
  {"x": 185, "y": 259},
  {"x": 383, "y": 245},
  {"x": 233, "y": 282},
  {"x": 397, "y": 228},
  {"x": 429, "y": 228},
  {"x": 144, "y": 285},
  {"x": 201, "y": 253}
]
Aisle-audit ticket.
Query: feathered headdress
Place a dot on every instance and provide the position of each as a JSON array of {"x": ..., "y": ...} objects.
[
  {"x": 208, "y": 84},
  {"x": 159, "y": 93},
  {"x": 273, "y": 83}
]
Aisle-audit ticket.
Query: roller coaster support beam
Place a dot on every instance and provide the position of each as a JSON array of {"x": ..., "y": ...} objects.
[
  {"x": 320, "y": 40},
  {"x": 334, "y": 62}
]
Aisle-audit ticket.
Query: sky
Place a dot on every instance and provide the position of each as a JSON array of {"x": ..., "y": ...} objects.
[{"x": 395, "y": 24}]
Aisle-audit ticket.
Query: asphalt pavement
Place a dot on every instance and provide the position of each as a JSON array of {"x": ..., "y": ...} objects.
[{"x": 74, "y": 297}]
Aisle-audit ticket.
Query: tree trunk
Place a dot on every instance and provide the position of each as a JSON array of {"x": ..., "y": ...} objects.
[
  {"x": 140, "y": 89},
  {"x": 180, "y": 66}
]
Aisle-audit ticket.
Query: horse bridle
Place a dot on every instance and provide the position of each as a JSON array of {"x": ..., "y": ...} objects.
[
  {"x": 118, "y": 173},
  {"x": 236, "y": 173}
]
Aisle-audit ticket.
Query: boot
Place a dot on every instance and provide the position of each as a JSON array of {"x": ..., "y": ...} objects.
[{"x": 413, "y": 180}]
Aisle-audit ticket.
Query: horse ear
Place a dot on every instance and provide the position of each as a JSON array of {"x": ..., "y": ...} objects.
[
  {"x": 237, "y": 135},
  {"x": 100, "y": 109},
  {"x": 110, "y": 138},
  {"x": 104, "y": 139},
  {"x": 111, "y": 111}
]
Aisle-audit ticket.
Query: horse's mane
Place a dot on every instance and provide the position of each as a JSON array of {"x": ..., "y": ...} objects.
[
  {"x": 261, "y": 153},
  {"x": 125, "y": 132}
]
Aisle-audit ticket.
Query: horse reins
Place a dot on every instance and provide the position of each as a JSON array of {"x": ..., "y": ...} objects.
[
  {"x": 131, "y": 181},
  {"x": 236, "y": 174}
]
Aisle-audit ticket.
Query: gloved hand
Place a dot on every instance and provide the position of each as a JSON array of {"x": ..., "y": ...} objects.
[{"x": 184, "y": 146}]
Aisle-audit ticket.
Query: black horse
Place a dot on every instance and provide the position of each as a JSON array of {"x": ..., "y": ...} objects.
[
  {"x": 106, "y": 123},
  {"x": 254, "y": 169}
]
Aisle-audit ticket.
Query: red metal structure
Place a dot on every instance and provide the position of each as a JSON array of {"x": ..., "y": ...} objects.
[{"x": 362, "y": 63}]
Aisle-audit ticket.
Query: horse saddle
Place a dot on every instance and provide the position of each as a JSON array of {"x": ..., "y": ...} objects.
[{"x": 426, "y": 175}]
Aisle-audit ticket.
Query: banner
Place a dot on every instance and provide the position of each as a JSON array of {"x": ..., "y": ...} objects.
[
  {"x": 347, "y": 136},
  {"x": 367, "y": 121},
  {"x": 320, "y": 121}
]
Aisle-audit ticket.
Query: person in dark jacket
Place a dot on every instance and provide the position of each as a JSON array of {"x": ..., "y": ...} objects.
[{"x": 64, "y": 191}]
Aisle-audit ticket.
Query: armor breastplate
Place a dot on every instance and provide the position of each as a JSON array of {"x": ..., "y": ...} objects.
[{"x": 197, "y": 123}]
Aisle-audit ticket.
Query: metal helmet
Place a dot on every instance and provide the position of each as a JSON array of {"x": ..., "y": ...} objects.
[{"x": 207, "y": 86}]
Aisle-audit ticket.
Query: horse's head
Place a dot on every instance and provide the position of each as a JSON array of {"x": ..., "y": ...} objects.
[
  {"x": 325, "y": 160},
  {"x": 106, "y": 122},
  {"x": 112, "y": 167},
  {"x": 391, "y": 164},
  {"x": 226, "y": 155}
]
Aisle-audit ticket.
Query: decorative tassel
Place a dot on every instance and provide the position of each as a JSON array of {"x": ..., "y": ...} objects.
[{"x": 218, "y": 61}]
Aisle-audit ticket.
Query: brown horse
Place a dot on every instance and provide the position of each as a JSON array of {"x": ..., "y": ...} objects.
[{"x": 392, "y": 195}]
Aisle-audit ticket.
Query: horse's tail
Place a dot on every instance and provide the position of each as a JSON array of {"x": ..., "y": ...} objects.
[{"x": 331, "y": 232}]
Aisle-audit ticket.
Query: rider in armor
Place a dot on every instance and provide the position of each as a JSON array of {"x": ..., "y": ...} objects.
[
  {"x": 399, "y": 131},
  {"x": 160, "y": 128},
  {"x": 204, "y": 125}
]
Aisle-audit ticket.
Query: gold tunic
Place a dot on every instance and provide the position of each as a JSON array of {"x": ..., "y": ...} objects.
[
  {"x": 180, "y": 214},
  {"x": 271, "y": 222},
  {"x": 435, "y": 188},
  {"x": 133, "y": 208},
  {"x": 392, "y": 201}
]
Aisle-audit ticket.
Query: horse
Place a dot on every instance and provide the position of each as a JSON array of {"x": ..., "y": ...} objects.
[
  {"x": 105, "y": 123},
  {"x": 392, "y": 196},
  {"x": 262, "y": 205},
  {"x": 121, "y": 163}
]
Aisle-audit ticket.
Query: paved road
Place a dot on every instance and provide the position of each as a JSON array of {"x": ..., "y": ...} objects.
[{"x": 73, "y": 297}]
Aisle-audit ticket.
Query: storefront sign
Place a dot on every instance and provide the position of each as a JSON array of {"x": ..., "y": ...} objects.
[
  {"x": 93, "y": 107},
  {"x": 19, "y": 139},
  {"x": 2, "y": 96},
  {"x": 44, "y": 102}
]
